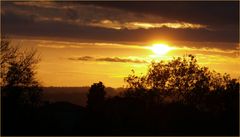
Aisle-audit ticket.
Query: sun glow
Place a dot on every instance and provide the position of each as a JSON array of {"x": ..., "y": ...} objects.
[{"x": 160, "y": 49}]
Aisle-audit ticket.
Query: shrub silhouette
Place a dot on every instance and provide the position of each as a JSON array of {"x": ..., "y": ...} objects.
[{"x": 96, "y": 97}]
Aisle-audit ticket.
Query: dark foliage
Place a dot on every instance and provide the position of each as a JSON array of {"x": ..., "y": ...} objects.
[
  {"x": 183, "y": 80},
  {"x": 18, "y": 82},
  {"x": 20, "y": 90},
  {"x": 96, "y": 97}
]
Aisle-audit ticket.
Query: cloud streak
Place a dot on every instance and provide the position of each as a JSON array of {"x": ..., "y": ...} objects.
[
  {"x": 146, "y": 25},
  {"x": 108, "y": 59}
]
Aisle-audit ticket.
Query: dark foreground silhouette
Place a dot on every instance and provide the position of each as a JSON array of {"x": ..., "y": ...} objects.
[{"x": 118, "y": 115}]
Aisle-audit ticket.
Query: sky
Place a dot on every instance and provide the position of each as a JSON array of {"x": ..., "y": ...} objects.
[{"x": 81, "y": 43}]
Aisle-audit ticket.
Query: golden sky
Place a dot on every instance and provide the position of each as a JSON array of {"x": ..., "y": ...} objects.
[
  {"x": 80, "y": 43},
  {"x": 66, "y": 63}
]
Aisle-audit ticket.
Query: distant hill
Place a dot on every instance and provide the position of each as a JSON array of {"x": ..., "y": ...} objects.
[{"x": 75, "y": 95}]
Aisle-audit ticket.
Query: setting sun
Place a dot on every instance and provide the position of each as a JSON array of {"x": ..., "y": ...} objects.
[{"x": 160, "y": 49}]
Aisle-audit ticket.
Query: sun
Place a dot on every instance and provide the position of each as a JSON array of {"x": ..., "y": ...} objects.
[{"x": 160, "y": 49}]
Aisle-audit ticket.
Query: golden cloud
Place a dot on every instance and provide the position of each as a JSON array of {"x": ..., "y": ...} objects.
[{"x": 145, "y": 25}]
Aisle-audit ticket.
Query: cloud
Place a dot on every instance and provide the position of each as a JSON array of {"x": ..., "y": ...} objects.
[
  {"x": 109, "y": 59},
  {"x": 145, "y": 25},
  {"x": 83, "y": 58},
  {"x": 43, "y": 4},
  {"x": 63, "y": 31},
  {"x": 68, "y": 44},
  {"x": 209, "y": 51},
  {"x": 226, "y": 48},
  {"x": 117, "y": 59},
  {"x": 58, "y": 46},
  {"x": 95, "y": 16},
  {"x": 81, "y": 14},
  {"x": 203, "y": 12},
  {"x": 118, "y": 24},
  {"x": 214, "y": 50}
]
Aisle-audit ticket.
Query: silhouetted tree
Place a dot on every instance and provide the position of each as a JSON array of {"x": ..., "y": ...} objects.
[
  {"x": 182, "y": 79},
  {"x": 7, "y": 55},
  {"x": 96, "y": 96},
  {"x": 18, "y": 80}
]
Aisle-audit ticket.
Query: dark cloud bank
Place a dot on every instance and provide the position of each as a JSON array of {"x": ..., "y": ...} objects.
[{"x": 65, "y": 20}]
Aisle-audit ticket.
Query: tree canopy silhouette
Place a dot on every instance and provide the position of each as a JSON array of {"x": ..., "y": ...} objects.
[
  {"x": 18, "y": 80},
  {"x": 183, "y": 80}
]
